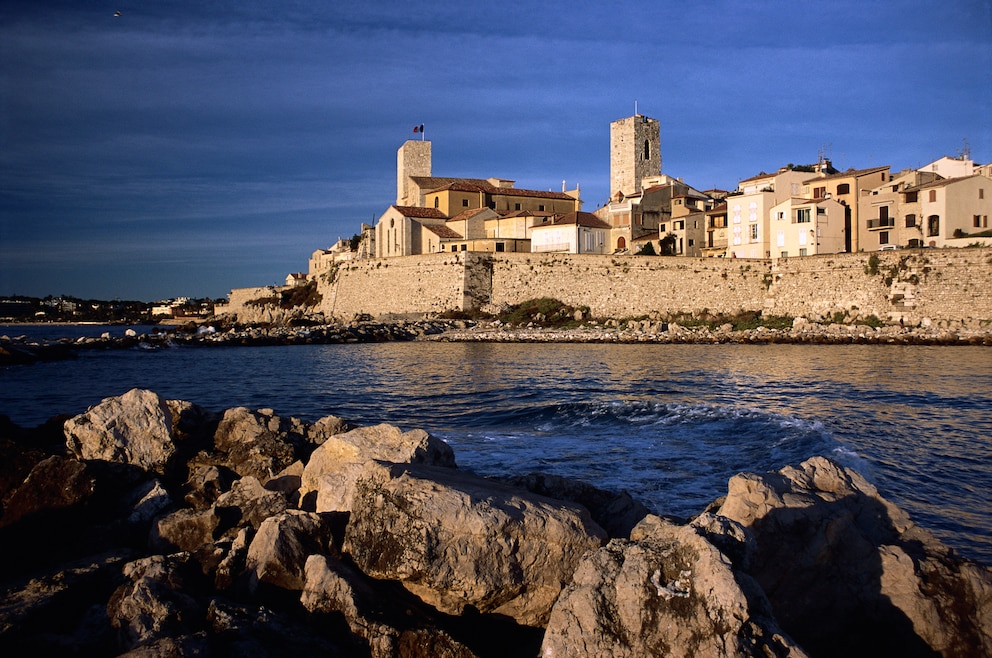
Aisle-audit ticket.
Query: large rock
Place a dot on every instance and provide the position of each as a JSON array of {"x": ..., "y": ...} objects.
[
  {"x": 278, "y": 553},
  {"x": 53, "y": 483},
  {"x": 328, "y": 479},
  {"x": 135, "y": 428},
  {"x": 667, "y": 592},
  {"x": 153, "y": 604},
  {"x": 849, "y": 574},
  {"x": 260, "y": 443},
  {"x": 459, "y": 541}
]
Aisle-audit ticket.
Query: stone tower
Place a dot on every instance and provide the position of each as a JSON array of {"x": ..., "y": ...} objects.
[
  {"x": 412, "y": 159},
  {"x": 635, "y": 153}
]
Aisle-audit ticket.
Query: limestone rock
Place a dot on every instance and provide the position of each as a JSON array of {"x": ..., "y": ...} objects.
[
  {"x": 206, "y": 484},
  {"x": 617, "y": 513},
  {"x": 278, "y": 553},
  {"x": 328, "y": 479},
  {"x": 53, "y": 483},
  {"x": 184, "y": 530},
  {"x": 248, "y": 503},
  {"x": 848, "y": 573},
  {"x": 671, "y": 593},
  {"x": 134, "y": 428},
  {"x": 152, "y": 606},
  {"x": 260, "y": 443},
  {"x": 456, "y": 540}
]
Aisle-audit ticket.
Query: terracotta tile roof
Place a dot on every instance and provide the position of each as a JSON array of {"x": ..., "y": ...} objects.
[
  {"x": 434, "y": 184},
  {"x": 424, "y": 213},
  {"x": 856, "y": 173},
  {"x": 716, "y": 210},
  {"x": 466, "y": 214},
  {"x": 443, "y": 232},
  {"x": 938, "y": 183},
  {"x": 581, "y": 219}
]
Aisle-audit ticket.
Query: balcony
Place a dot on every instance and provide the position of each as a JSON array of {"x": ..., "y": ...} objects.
[{"x": 881, "y": 222}]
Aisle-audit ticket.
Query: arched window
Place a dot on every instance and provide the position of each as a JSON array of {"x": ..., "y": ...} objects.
[{"x": 436, "y": 200}]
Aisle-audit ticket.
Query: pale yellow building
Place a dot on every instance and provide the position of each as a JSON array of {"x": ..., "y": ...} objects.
[
  {"x": 748, "y": 210},
  {"x": 806, "y": 227},
  {"x": 574, "y": 233},
  {"x": 848, "y": 187}
]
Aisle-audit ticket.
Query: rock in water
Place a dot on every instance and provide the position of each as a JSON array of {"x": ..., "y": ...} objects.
[
  {"x": 848, "y": 573},
  {"x": 666, "y": 592},
  {"x": 134, "y": 428},
  {"x": 457, "y": 540},
  {"x": 328, "y": 480}
]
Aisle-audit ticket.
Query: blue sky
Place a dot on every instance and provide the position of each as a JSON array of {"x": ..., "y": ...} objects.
[{"x": 187, "y": 148}]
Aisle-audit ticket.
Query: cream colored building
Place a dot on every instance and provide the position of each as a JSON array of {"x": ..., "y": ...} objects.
[
  {"x": 953, "y": 208},
  {"x": 575, "y": 233},
  {"x": 806, "y": 227},
  {"x": 399, "y": 231},
  {"x": 891, "y": 216},
  {"x": 848, "y": 187},
  {"x": 715, "y": 245},
  {"x": 748, "y": 210}
]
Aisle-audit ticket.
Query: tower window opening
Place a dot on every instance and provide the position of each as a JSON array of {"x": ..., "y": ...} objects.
[{"x": 647, "y": 150}]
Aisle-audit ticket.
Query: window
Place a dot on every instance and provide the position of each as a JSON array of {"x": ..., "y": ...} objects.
[
  {"x": 981, "y": 193},
  {"x": 663, "y": 228},
  {"x": 912, "y": 197},
  {"x": 780, "y": 215},
  {"x": 516, "y": 206},
  {"x": 978, "y": 221},
  {"x": 780, "y": 242},
  {"x": 437, "y": 199},
  {"x": 819, "y": 192},
  {"x": 933, "y": 225},
  {"x": 464, "y": 247},
  {"x": 540, "y": 208},
  {"x": 464, "y": 203},
  {"x": 785, "y": 254},
  {"x": 883, "y": 237},
  {"x": 647, "y": 149},
  {"x": 691, "y": 242},
  {"x": 911, "y": 221},
  {"x": 500, "y": 246},
  {"x": 802, "y": 252},
  {"x": 844, "y": 188},
  {"x": 754, "y": 233},
  {"x": 803, "y": 216},
  {"x": 933, "y": 195}
]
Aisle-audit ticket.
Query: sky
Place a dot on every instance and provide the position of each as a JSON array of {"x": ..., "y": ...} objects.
[{"x": 187, "y": 148}]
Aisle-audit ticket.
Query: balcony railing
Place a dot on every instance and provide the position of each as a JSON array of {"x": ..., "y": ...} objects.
[{"x": 882, "y": 222}]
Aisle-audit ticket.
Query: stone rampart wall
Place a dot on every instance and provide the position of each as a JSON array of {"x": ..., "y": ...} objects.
[
  {"x": 628, "y": 286},
  {"x": 917, "y": 286},
  {"x": 394, "y": 287}
]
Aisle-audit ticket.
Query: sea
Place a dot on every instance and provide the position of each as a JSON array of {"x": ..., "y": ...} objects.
[{"x": 670, "y": 424}]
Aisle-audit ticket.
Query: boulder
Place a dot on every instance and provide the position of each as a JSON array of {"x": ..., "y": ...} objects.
[
  {"x": 328, "y": 479},
  {"x": 617, "y": 513},
  {"x": 278, "y": 553},
  {"x": 248, "y": 503},
  {"x": 669, "y": 593},
  {"x": 260, "y": 443},
  {"x": 184, "y": 530},
  {"x": 206, "y": 483},
  {"x": 54, "y": 483},
  {"x": 385, "y": 626},
  {"x": 459, "y": 541},
  {"x": 848, "y": 573},
  {"x": 152, "y": 605},
  {"x": 134, "y": 428}
]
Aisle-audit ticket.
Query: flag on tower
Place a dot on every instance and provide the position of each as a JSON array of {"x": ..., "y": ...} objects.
[{"x": 418, "y": 129}]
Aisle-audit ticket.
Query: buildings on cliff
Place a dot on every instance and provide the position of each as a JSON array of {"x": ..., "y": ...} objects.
[{"x": 795, "y": 211}]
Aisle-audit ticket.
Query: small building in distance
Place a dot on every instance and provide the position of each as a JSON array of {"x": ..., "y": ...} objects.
[{"x": 575, "y": 233}]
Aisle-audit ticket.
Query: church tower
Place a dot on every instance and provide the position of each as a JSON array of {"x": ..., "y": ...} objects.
[
  {"x": 412, "y": 159},
  {"x": 635, "y": 153}
]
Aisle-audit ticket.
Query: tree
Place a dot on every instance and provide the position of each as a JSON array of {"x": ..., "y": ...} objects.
[
  {"x": 647, "y": 250},
  {"x": 667, "y": 245}
]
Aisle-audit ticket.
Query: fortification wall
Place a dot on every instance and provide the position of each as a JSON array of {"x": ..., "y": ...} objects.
[
  {"x": 943, "y": 286},
  {"x": 628, "y": 286},
  {"x": 916, "y": 286},
  {"x": 394, "y": 287}
]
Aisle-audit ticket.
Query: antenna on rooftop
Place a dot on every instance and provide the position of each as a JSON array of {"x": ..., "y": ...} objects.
[
  {"x": 965, "y": 150},
  {"x": 635, "y": 107}
]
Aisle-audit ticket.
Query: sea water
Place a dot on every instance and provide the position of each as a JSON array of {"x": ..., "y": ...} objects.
[{"x": 670, "y": 424}]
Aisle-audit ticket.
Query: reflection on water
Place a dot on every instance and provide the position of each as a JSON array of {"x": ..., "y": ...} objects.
[{"x": 669, "y": 422}]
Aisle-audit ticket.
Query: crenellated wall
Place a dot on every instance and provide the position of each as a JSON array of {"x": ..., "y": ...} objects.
[{"x": 916, "y": 286}]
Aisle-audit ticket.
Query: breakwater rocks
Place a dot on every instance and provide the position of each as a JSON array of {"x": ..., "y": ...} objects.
[
  {"x": 22, "y": 349},
  {"x": 649, "y": 331},
  {"x": 152, "y": 527}
]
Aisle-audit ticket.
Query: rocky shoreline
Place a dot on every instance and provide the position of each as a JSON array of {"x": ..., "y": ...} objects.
[
  {"x": 153, "y": 527},
  {"x": 21, "y": 349}
]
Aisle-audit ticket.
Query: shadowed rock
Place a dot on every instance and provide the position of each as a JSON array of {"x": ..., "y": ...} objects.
[
  {"x": 848, "y": 573},
  {"x": 456, "y": 540},
  {"x": 666, "y": 592}
]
